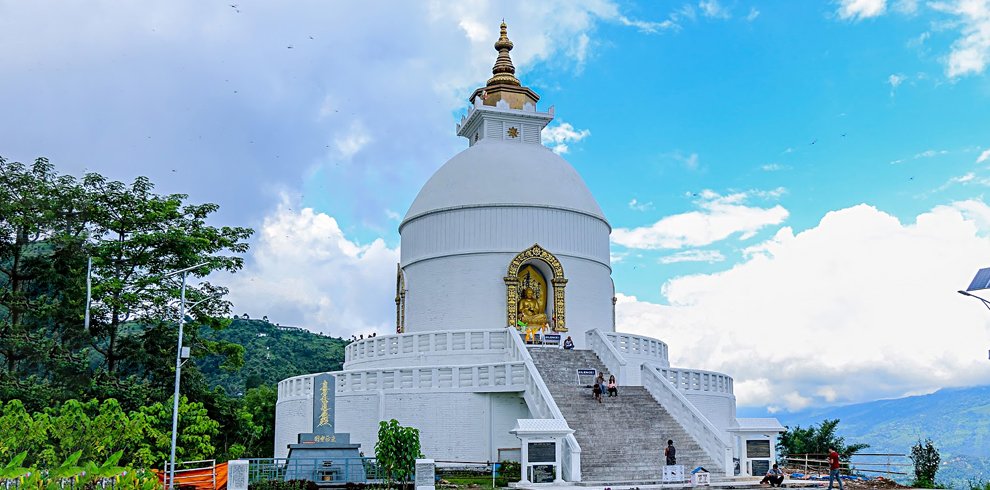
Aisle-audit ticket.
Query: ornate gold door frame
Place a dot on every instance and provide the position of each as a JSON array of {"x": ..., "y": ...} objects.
[{"x": 536, "y": 252}]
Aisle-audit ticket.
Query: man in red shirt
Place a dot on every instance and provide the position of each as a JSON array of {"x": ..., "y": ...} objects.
[{"x": 833, "y": 465}]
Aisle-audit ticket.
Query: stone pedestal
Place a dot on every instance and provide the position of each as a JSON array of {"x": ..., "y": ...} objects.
[{"x": 324, "y": 456}]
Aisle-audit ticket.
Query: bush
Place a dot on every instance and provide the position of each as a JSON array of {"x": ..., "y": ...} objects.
[
  {"x": 396, "y": 451},
  {"x": 508, "y": 471}
]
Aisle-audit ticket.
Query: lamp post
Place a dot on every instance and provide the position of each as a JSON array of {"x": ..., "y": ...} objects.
[
  {"x": 178, "y": 370},
  {"x": 985, "y": 302}
]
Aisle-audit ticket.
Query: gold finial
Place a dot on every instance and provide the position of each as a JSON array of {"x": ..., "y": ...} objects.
[{"x": 503, "y": 71}]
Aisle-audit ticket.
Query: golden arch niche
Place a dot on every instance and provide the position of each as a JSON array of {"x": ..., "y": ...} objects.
[{"x": 528, "y": 294}]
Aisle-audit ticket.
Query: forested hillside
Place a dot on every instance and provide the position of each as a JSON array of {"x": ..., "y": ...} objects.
[{"x": 271, "y": 353}]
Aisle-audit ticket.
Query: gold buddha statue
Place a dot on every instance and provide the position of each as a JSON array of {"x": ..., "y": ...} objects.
[{"x": 529, "y": 310}]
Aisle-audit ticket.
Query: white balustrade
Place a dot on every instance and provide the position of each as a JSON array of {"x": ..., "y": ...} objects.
[
  {"x": 598, "y": 342},
  {"x": 707, "y": 435},
  {"x": 542, "y": 405},
  {"x": 630, "y": 345},
  {"x": 404, "y": 348},
  {"x": 506, "y": 376},
  {"x": 697, "y": 381}
]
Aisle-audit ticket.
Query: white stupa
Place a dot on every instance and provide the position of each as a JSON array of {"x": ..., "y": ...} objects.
[{"x": 505, "y": 243}]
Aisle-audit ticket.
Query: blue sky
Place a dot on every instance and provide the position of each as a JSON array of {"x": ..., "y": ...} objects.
[{"x": 781, "y": 177}]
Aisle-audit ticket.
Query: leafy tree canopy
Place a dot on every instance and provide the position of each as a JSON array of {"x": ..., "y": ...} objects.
[{"x": 816, "y": 439}]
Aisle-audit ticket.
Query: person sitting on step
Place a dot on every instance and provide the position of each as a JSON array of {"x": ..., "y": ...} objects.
[
  {"x": 596, "y": 389},
  {"x": 774, "y": 477},
  {"x": 613, "y": 389},
  {"x": 568, "y": 343}
]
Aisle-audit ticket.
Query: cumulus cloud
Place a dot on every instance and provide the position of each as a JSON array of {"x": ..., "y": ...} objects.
[
  {"x": 304, "y": 271},
  {"x": 719, "y": 218},
  {"x": 969, "y": 54},
  {"x": 861, "y": 9},
  {"x": 558, "y": 136},
  {"x": 773, "y": 167},
  {"x": 983, "y": 156},
  {"x": 710, "y": 256},
  {"x": 859, "y": 307}
]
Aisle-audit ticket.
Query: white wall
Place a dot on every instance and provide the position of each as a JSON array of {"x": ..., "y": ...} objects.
[{"x": 453, "y": 426}]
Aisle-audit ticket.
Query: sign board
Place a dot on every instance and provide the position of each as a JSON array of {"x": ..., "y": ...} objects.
[
  {"x": 551, "y": 338},
  {"x": 587, "y": 372},
  {"x": 425, "y": 474},
  {"x": 672, "y": 473},
  {"x": 542, "y": 452},
  {"x": 701, "y": 479},
  {"x": 237, "y": 475},
  {"x": 759, "y": 448},
  {"x": 542, "y": 473},
  {"x": 760, "y": 466},
  {"x": 324, "y": 390}
]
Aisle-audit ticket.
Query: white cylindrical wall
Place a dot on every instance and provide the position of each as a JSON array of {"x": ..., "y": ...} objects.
[{"x": 455, "y": 261}]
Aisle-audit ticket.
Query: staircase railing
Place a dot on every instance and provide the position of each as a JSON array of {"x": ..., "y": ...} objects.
[
  {"x": 609, "y": 355},
  {"x": 543, "y": 406},
  {"x": 686, "y": 414}
]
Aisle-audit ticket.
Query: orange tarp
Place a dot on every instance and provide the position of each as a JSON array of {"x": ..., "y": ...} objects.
[{"x": 199, "y": 478}]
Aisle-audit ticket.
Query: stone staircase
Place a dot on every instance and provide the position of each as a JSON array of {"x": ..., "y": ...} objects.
[{"x": 622, "y": 438}]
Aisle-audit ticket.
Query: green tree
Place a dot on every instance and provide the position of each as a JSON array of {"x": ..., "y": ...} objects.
[
  {"x": 197, "y": 432},
  {"x": 816, "y": 440},
  {"x": 926, "y": 459},
  {"x": 396, "y": 451}
]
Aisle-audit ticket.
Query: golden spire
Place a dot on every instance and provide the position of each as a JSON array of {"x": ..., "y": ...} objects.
[
  {"x": 503, "y": 70},
  {"x": 504, "y": 86}
]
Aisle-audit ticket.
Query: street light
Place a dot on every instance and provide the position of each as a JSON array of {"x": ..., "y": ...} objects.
[
  {"x": 178, "y": 369},
  {"x": 985, "y": 302}
]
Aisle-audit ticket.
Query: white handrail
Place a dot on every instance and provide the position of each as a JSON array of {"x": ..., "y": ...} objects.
[
  {"x": 501, "y": 376},
  {"x": 440, "y": 342},
  {"x": 541, "y": 402},
  {"x": 697, "y": 380},
  {"x": 609, "y": 355},
  {"x": 632, "y": 345},
  {"x": 686, "y": 414}
]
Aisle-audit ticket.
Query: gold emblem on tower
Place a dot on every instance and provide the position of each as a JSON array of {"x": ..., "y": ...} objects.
[{"x": 513, "y": 132}]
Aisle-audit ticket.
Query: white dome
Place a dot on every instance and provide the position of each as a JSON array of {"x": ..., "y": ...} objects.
[{"x": 497, "y": 172}]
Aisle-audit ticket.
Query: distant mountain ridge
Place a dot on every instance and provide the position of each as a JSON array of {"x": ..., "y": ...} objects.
[{"x": 956, "y": 419}]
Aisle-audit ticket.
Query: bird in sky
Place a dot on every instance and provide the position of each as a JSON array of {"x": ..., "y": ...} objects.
[{"x": 814, "y": 141}]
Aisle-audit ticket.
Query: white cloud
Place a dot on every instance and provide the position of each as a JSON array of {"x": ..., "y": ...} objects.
[
  {"x": 752, "y": 15},
  {"x": 303, "y": 271},
  {"x": 964, "y": 178},
  {"x": 719, "y": 218},
  {"x": 857, "y": 308},
  {"x": 557, "y": 137},
  {"x": 895, "y": 80},
  {"x": 773, "y": 167},
  {"x": 648, "y": 27},
  {"x": 861, "y": 9},
  {"x": 713, "y": 9},
  {"x": 969, "y": 54},
  {"x": 352, "y": 141},
  {"x": 983, "y": 156},
  {"x": 635, "y": 205},
  {"x": 906, "y": 7},
  {"x": 710, "y": 256}
]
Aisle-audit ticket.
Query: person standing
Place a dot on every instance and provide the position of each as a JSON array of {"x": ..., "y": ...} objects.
[
  {"x": 670, "y": 453},
  {"x": 833, "y": 468}
]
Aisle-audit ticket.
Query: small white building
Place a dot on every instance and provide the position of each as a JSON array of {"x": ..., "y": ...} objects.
[{"x": 505, "y": 242}]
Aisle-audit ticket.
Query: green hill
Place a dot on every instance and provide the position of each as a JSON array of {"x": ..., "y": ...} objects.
[{"x": 271, "y": 354}]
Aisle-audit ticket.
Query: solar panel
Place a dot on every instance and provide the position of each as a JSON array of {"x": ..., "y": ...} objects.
[{"x": 981, "y": 281}]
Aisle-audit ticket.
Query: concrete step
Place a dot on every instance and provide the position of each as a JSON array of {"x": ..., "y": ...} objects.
[{"x": 621, "y": 438}]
